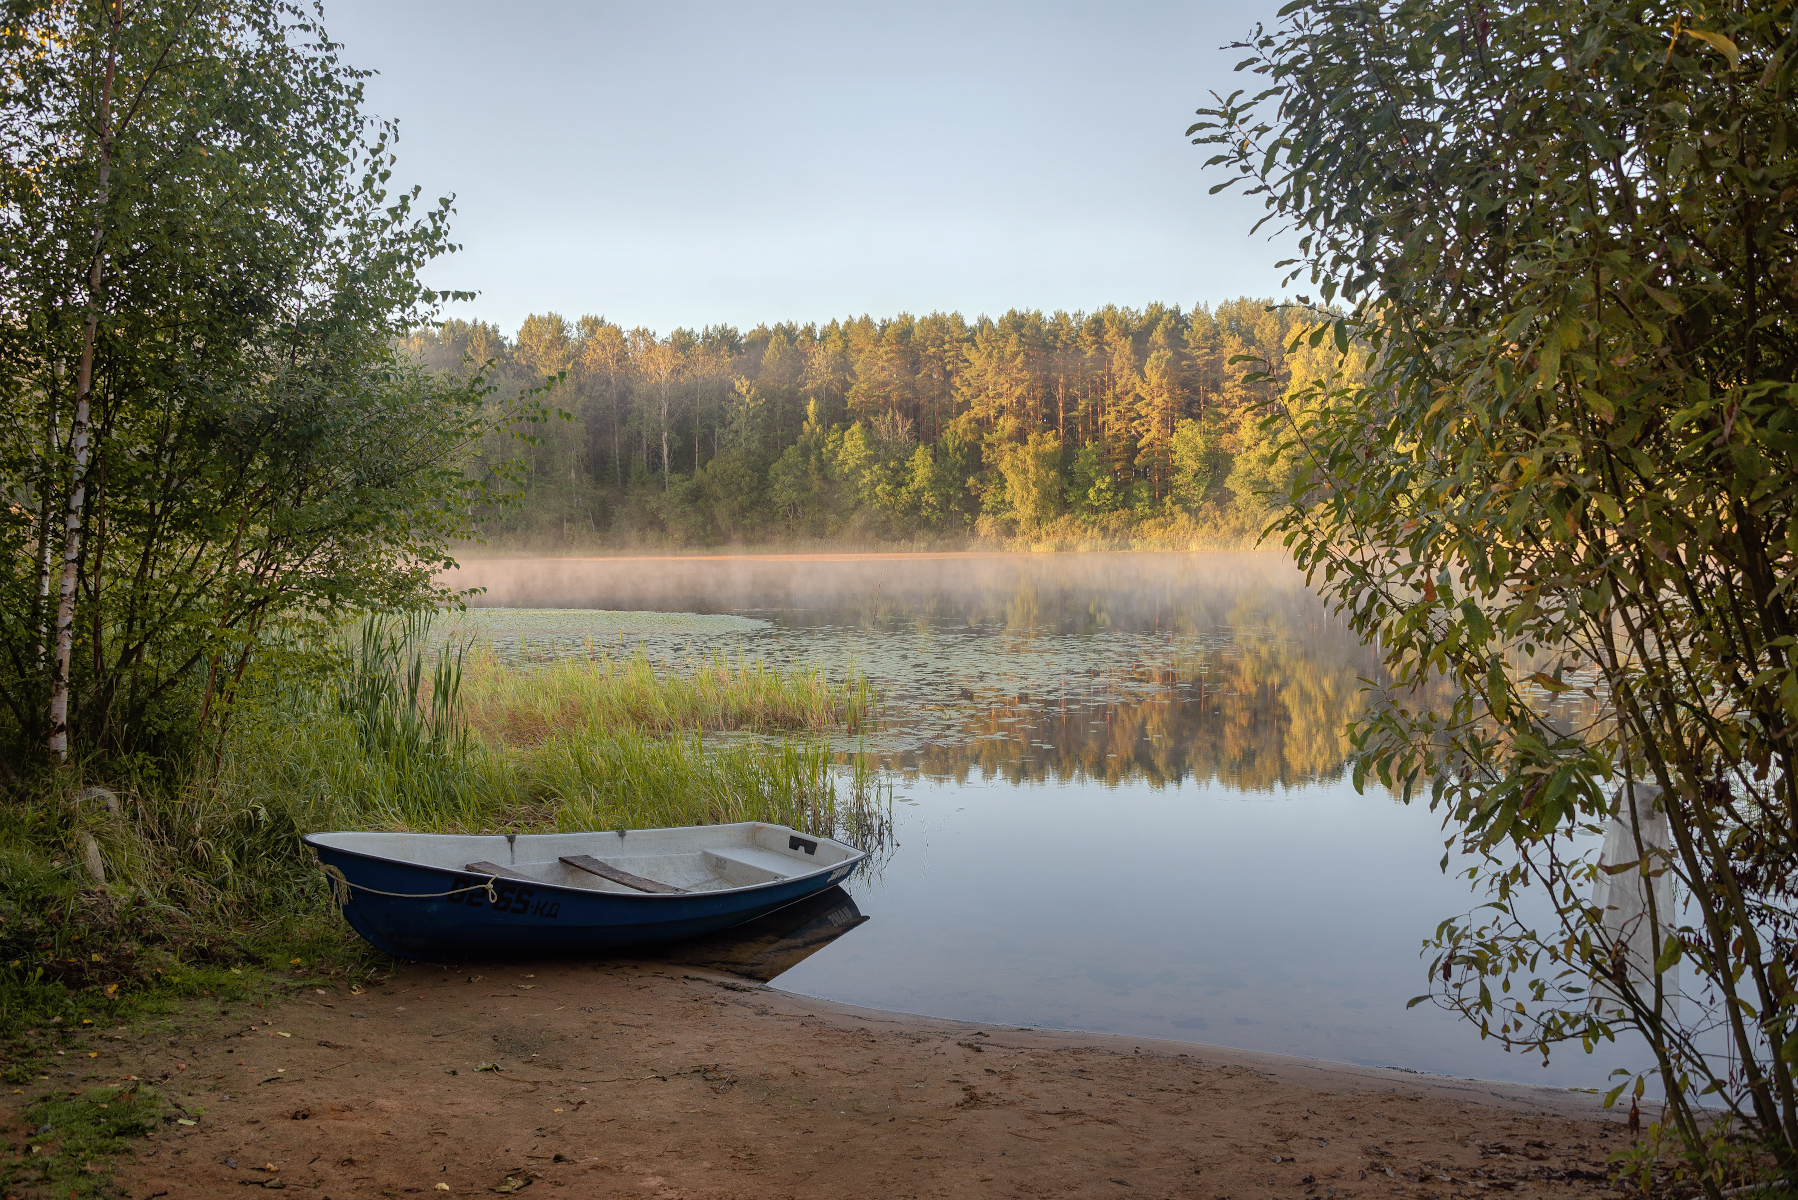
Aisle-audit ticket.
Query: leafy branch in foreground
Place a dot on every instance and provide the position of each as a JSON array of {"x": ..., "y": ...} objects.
[
  {"x": 1568, "y": 235},
  {"x": 209, "y": 432}
]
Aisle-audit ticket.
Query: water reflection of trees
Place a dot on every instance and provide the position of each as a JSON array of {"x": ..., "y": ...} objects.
[{"x": 1257, "y": 696}]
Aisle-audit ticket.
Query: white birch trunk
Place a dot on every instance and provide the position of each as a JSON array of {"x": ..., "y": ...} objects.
[
  {"x": 45, "y": 539},
  {"x": 79, "y": 433}
]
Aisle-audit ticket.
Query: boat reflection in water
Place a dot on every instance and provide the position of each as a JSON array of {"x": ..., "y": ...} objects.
[{"x": 767, "y": 946}]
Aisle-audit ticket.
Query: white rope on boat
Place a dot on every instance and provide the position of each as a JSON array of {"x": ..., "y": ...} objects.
[{"x": 342, "y": 890}]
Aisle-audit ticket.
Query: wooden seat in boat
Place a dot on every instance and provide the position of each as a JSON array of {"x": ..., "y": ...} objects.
[{"x": 605, "y": 870}]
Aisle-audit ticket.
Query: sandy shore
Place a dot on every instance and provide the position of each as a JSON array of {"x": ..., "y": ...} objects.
[{"x": 666, "y": 1080}]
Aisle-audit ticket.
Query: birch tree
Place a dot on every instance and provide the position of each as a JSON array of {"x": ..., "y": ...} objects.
[{"x": 204, "y": 267}]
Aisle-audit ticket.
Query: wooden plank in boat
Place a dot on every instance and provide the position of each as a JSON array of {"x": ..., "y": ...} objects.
[
  {"x": 605, "y": 870},
  {"x": 487, "y": 868}
]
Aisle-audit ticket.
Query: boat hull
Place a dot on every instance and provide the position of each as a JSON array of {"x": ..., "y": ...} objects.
[{"x": 399, "y": 908}]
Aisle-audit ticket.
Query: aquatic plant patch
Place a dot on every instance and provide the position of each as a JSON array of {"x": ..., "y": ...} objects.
[{"x": 534, "y": 635}]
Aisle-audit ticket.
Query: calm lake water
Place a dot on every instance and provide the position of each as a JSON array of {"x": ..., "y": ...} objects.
[{"x": 1119, "y": 791}]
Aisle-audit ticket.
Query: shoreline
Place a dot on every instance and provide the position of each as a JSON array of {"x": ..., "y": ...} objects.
[
  {"x": 652, "y": 1078},
  {"x": 1569, "y": 1101}
]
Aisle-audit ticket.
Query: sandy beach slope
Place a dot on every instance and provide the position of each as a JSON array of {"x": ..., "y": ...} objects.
[{"x": 664, "y": 1080}]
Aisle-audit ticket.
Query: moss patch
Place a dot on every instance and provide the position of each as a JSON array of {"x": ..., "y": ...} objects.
[{"x": 69, "y": 1139}]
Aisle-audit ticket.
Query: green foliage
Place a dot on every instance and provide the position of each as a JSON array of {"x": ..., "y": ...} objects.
[
  {"x": 199, "y": 220},
  {"x": 1092, "y": 488},
  {"x": 415, "y": 734},
  {"x": 1260, "y": 477},
  {"x": 728, "y": 490},
  {"x": 190, "y": 909},
  {"x": 1567, "y": 234},
  {"x": 1201, "y": 461},
  {"x": 1033, "y": 484}
]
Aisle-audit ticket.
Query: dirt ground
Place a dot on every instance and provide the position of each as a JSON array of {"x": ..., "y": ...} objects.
[{"x": 658, "y": 1079}]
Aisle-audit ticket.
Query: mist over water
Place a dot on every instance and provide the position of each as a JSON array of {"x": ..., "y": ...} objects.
[
  {"x": 1120, "y": 787},
  {"x": 1122, "y": 590}
]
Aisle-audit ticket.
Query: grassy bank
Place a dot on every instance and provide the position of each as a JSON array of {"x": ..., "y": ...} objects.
[{"x": 207, "y": 889}]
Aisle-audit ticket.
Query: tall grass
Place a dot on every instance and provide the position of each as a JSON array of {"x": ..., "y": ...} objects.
[
  {"x": 631, "y": 779},
  {"x": 416, "y": 758},
  {"x": 589, "y": 697},
  {"x": 571, "y": 744}
]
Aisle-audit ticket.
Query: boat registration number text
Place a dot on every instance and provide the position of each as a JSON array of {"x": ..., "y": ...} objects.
[{"x": 508, "y": 897}]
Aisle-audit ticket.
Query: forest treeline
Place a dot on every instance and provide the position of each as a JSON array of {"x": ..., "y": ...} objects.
[{"x": 1119, "y": 426}]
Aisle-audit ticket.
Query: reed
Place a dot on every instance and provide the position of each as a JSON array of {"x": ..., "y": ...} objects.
[
  {"x": 631, "y": 780},
  {"x": 447, "y": 738},
  {"x": 594, "y": 695}
]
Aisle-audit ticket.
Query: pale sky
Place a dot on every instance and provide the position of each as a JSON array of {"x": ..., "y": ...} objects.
[{"x": 673, "y": 164}]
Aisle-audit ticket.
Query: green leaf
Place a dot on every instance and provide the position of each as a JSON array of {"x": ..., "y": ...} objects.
[
  {"x": 1549, "y": 363},
  {"x": 1606, "y": 411},
  {"x": 1719, "y": 43},
  {"x": 1670, "y": 955}
]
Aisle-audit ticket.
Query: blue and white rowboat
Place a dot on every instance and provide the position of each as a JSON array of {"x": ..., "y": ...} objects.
[{"x": 440, "y": 897}]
